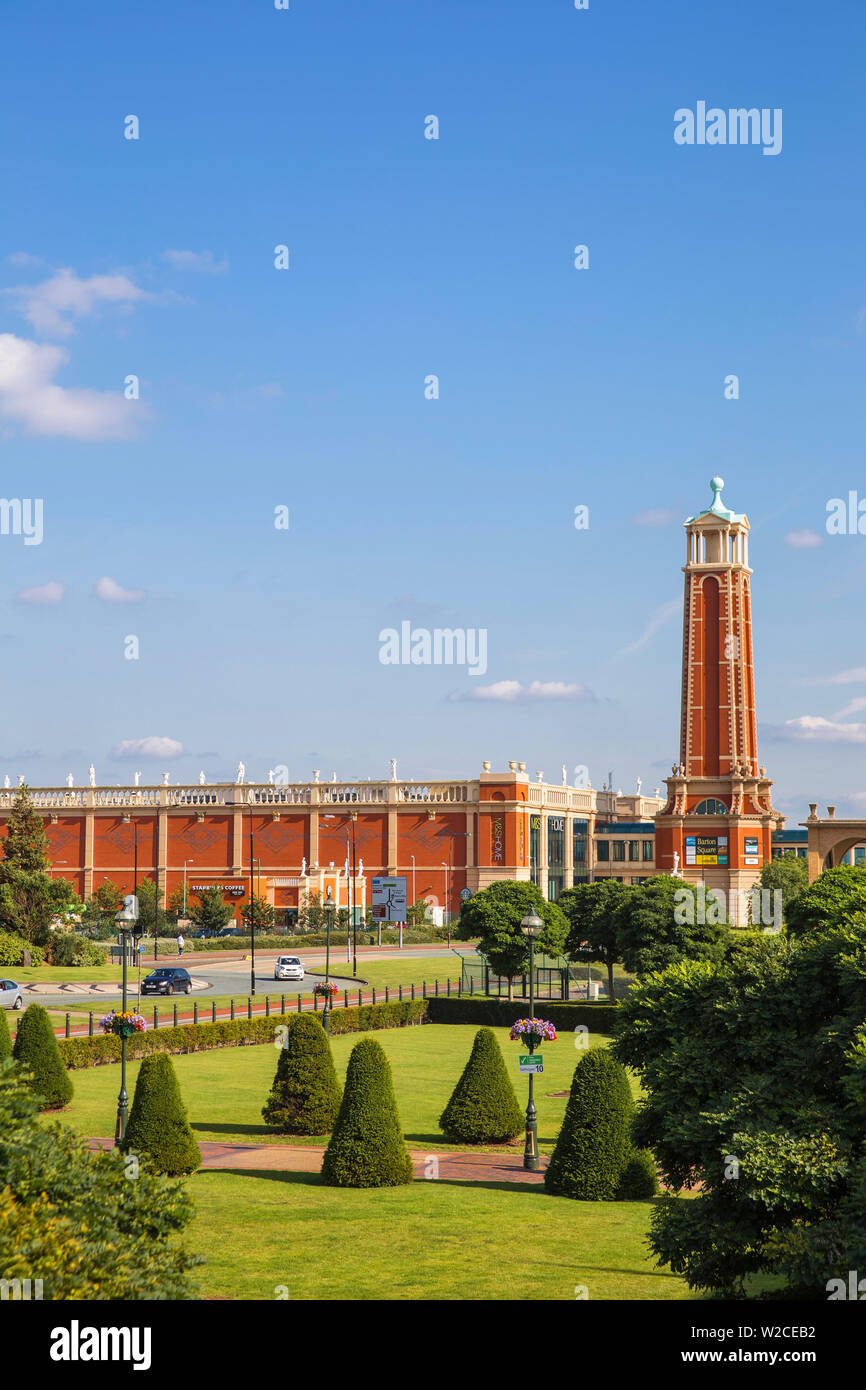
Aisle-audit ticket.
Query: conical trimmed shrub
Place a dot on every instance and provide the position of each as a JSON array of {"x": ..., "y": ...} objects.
[
  {"x": 5, "y": 1039},
  {"x": 640, "y": 1179},
  {"x": 483, "y": 1108},
  {"x": 36, "y": 1049},
  {"x": 594, "y": 1145},
  {"x": 158, "y": 1129},
  {"x": 367, "y": 1147},
  {"x": 305, "y": 1097}
]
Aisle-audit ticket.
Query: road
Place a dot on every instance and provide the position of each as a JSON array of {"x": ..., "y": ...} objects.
[{"x": 232, "y": 975}]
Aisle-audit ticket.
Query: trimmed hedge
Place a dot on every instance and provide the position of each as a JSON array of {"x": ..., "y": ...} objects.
[
  {"x": 12, "y": 950},
  {"x": 270, "y": 941},
  {"x": 640, "y": 1179},
  {"x": 305, "y": 1097},
  {"x": 36, "y": 1049},
  {"x": 5, "y": 1039},
  {"x": 158, "y": 1128},
  {"x": 367, "y": 1148},
  {"x": 594, "y": 1146},
  {"x": 500, "y": 1013},
  {"x": 483, "y": 1108},
  {"x": 241, "y": 1032}
]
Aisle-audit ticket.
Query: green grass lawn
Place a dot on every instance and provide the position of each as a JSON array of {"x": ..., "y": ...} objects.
[
  {"x": 224, "y": 1090},
  {"x": 62, "y": 974},
  {"x": 261, "y": 1232},
  {"x": 265, "y": 1232}
]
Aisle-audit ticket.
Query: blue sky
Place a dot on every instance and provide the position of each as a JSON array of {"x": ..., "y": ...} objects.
[{"x": 305, "y": 388}]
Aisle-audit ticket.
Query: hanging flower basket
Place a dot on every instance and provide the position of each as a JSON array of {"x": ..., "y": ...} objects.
[
  {"x": 533, "y": 1032},
  {"x": 325, "y": 989},
  {"x": 122, "y": 1025}
]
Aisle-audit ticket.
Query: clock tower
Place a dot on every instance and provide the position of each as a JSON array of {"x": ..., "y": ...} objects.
[{"x": 718, "y": 820}]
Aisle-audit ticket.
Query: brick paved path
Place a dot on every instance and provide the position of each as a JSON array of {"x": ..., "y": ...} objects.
[{"x": 299, "y": 1158}]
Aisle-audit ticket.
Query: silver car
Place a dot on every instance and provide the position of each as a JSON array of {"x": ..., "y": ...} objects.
[
  {"x": 11, "y": 995},
  {"x": 288, "y": 968}
]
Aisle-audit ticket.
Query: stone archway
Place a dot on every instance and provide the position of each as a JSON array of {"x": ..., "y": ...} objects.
[{"x": 830, "y": 839}]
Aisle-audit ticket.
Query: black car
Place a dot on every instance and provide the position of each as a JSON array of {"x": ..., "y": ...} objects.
[
  {"x": 230, "y": 931},
  {"x": 204, "y": 935},
  {"x": 169, "y": 979}
]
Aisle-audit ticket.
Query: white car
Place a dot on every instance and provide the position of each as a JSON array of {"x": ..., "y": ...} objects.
[
  {"x": 288, "y": 968},
  {"x": 11, "y": 996}
]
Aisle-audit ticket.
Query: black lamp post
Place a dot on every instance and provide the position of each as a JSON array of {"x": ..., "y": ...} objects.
[
  {"x": 125, "y": 919},
  {"x": 243, "y": 806},
  {"x": 328, "y": 906},
  {"x": 531, "y": 926}
]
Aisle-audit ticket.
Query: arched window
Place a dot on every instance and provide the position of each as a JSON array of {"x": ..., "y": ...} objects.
[{"x": 710, "y": 807}]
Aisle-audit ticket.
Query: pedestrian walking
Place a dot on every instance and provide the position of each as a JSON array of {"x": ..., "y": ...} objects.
[{"x": 180, "y": 943}]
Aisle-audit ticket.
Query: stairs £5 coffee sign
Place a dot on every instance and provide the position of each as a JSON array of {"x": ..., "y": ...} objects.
[{"x": 531, "y": 1062}]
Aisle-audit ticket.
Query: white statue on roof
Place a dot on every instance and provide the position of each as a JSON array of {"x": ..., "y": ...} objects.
[
  {"x": 239, "y": 776},
  {"x": 92, "y": 775},
  {"x": 70, "y": 780}
]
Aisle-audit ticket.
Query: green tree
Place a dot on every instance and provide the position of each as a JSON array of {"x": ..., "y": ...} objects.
[
  {"x": 152, "y": 919},
  {"x": 30, "y": 899},
  {"x": 36, "y": 1049},
  {"x": 210, "y": 911},
  {"x": 418, "y": 913},
  {"x": 483, "y": 1108},
  {"x": 158, "y": 1128},
  {"x": 367, "y": 1148},
  {"x": 660, "y": 925},
  {"x": 305, "y": 1097},
  {"x": 74, "y": 1220},
  {"x": 311, "y": 913},
  {"x": 789, "y": 875},
  {"x": 494, "y": 916},
  {"x": 25, "y": 845},
  {"x": 5, "y": 1039},
  {"x": 754, "y": 1072},
  {"x": 593, "y": 923},
  {"x": 97, "y": 917},
  {"x": 837, "y": 896},
  {"x": 594, "y": 1147},
  {"x": 259, "y": 914}
]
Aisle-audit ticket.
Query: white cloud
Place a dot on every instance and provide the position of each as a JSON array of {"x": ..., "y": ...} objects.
[
  {"x": 53, "y": 304},
  {"x": 853, "y": 676},
  {"x": 152, "y": 747},
  {"x": 30, "y": 396},
  {"x": 852, "y": 707},
  {"x": 812, "y": 728},
  {"x": 655, "y": 517},
  {"x": 25, "y": 258},
  {"x": 202, "y": 262},
  {"x": 658, "y": 618},
  {"x": 113, "y": 592},
  {"x": 509, "y": 692},
  {"x": 803, "y": 540},
  {"x": 43, "y": 593}
]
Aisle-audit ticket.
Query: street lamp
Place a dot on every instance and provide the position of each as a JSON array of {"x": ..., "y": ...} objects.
[
  {"x": 328, "y": 906},
  {"x": 531, "y": 926},
  {"x": 243, "y": 806},
  {"x": 185, "y": 862},
  {"x": 125, "y": 919},
  {"x": 414, "y": 899}
]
